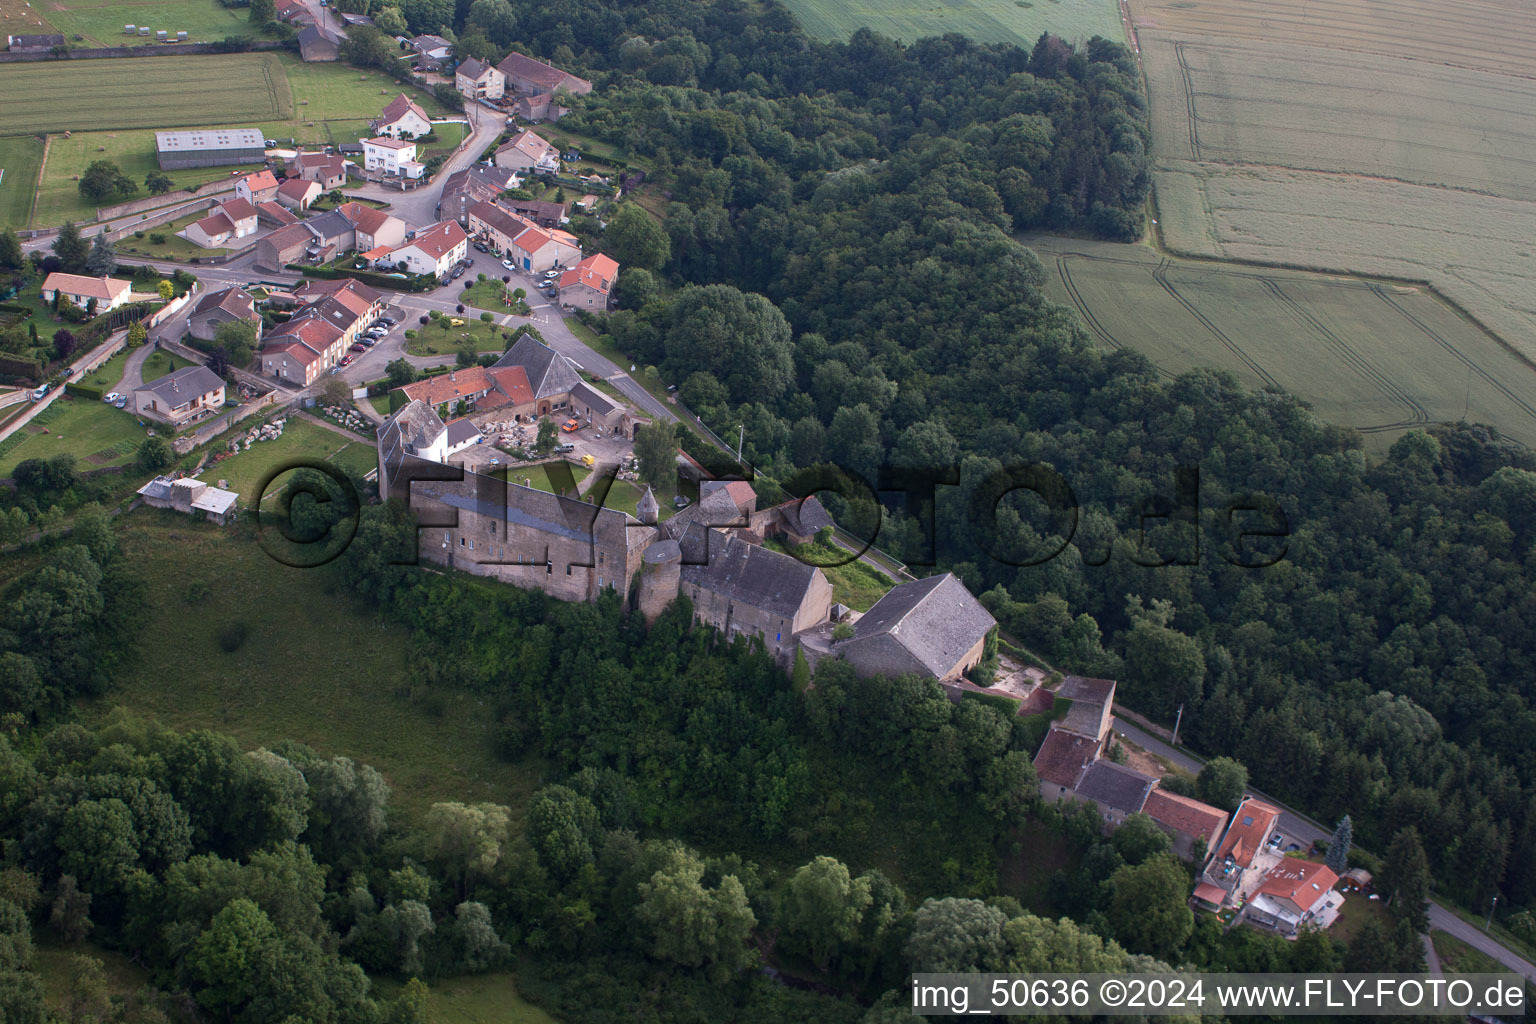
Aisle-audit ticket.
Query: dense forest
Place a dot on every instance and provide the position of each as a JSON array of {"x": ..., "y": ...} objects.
[
  {"x": 835, "y": 273},
  {"x": 708, "y": 817}
]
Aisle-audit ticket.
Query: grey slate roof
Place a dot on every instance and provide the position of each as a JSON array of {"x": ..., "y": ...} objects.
[
  {"x": 180, "y": 387},
  {"x": 601, "y": 404},
  {"x": 753, "y": 575},
  {"x": 549, "y": 372},
  {"x": 413, "y": 428},
  {"x": 330, "y": 225},
  {"x": 936, "y": 620},
  {"x": 461, "y": 430},
  {"x": 472, "y": 68},
  {"x": 529, "y": 507},
  {"x": 715, "y": 509},
  {"x": 1116, "y": 786},
  {"x": 230, "y": 300},
  {"x": 804, "y": 517}
]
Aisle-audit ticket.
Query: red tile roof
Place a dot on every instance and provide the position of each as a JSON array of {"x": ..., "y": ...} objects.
[
  {"x": 1249, "y": 831},
  {"x": 1209, "y": 893},
  {"x": 238, "y": 209},
  {"x": 1180, "y": 813},
  {"x": 90, "y": 287},
  {"x": 1062, "y": 757},
  {"x": 281, "y": 214},
  {"x": 215, "y": 224},
  {"x": 297, "y": 188},
  {"x": 596, "y": 272},
  {"x": 365, "y": 218},
  {"x": 434, "y": 391},
  {"x": 534, "y": 147},
  {"x": 1301, "y": 882},
  {"x": 438, "y": 240},
  {"x": 512, "y": 381},
  {"x": 260, "y": 181},
  {"x": 399, "y": 107}
]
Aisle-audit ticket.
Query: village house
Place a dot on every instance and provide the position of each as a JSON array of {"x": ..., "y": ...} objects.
[
  {"x": 332, "y": 234},
  {"x": 1294, "y": 894},
  {"x": 476, "y": 183},
  {"x": 289, "y": 10},
  {"x": 272, "y": 215},
  {"x": 479, "y": 80},
  {"x": 796, "y": 521},
  {"x": 434, "y": 250},
  {"x": 528, "y": 246},
  {"x": 589, "y": 284},
  {"x": 403, "y": 118},
  {"x": 331, "y": 316},
  {"x": 257, "y": 188},
  {"x": 432, "y": 47},
  {"x": 543, "y": 213},
  {"x": 395, "y": 158},
  {"x": 283, "y": 246},
  {"x": 98, "y": 294},
  {"x": 455, "y": 390},
  {"x": 527, "y": 153},
  {"x": 1243, "y": 857},
  {"x": 221, "y": 307},
  {"x": 1117, "y": 791},
  {"x": 327, "y": 170},
  {"x": 536, "y": 86},
  {"x": 371, "y": 228},
  {"x": 299, "y": 193},
  {"x": 191, "y": 496},
  {"x": 228, "y": 223},
  {"x": 1192, "y": 826},
  {"x": 181, "y": 396}
]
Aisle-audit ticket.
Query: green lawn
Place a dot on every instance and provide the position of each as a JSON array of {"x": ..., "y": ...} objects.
[
  {"x": 478, "y": 999},
  {"x": 58, "y": 193},
  {"x": 380, "y": 404},
  {"x": 95, "y": 433},
  {"x": 174, "y": 247},
  {"x": 160, "y": 92},
  {"x": 108, "y": 373},
  {"x": 855, "y": 584},
  {"x": 435, "y": 339},
  {"x": 449, "y": 135},
  {"x": 55, "y": 966},
  {"x": 300, "y": 440},
  {"x": 488, "y": 295},
  {"x": 1456, "y": 957},
  {"x": 158, "y": 364},
  {"x": 315, "y": 668},
  {"x": 276, "y": 93},
  {"x": 1353, "y": 915},
  {"x": 988, "y": 21},
  {"x": 22, "y": 159},
  {"x": 102, "y": 21},
  {"x": 624, "y": 495}
]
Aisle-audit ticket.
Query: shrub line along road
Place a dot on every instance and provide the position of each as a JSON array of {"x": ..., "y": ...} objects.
[{"x": 1301, "y": 829}]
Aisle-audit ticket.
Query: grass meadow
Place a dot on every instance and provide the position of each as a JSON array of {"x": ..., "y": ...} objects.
[
  {"x": 301, "y": 439},
  {"x": 21, "y": 158},
  {"x": 315, "y": 668},
  {"x": 101, "y": 21},
  {"x": 989, "y": 21},
  {"x": 1376, "y": 356},
  {"x": 95, "y": 433}
]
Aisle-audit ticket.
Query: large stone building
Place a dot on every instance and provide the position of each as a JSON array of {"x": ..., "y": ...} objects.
[
  {"x": 221, "y": 307},
  {"x": 931, "y": 627}
]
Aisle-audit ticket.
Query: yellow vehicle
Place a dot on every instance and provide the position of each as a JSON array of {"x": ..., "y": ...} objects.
[
  {"x": 589, "y": 461},
  {"x": 455, "y": 322}
]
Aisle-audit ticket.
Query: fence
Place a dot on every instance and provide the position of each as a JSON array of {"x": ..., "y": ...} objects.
[
  {"x": 154, "y": 220},
  {"x": 151, "y": 50}
]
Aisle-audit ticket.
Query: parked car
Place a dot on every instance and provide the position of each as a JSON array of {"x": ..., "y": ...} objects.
[
  {"x": 357, "y": 346},
  {"x": 454, "y": 321},
  {"x": 565, "y": 446},
  {"x": 550, "y": 275},
  {"x": 458, "y": 272},
  {"x": 368, "y": 342},
  {"x": 508, "y": 264},
  {"x": 588, "y": 461},
  {"x": 571, "y": 425},
  {"x": 121, "y": 401},
  {"x": 111, "y": 396},
  {"x": 386, "y": 321},
  {"x": 69, "y": 371},
  {"x": 40, "y": 393},
  {"x": 482, "y": 247}
]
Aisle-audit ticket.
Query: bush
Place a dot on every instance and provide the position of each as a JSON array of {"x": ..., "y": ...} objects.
[
  {"x": 459, "y": 308},
  {"x": 138, "y": 234},
  {"x": 487, "y": 317},
  {"x": 232, "y": 637},
  {"x": 156, "y": 238},
  {"x": 410, "y": 335}
]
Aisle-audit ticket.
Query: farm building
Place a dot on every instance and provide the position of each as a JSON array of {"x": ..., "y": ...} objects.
[
  {"x": 191, "y": 496},
  {"x": 33, "y": 44},
  {"x": 214, "y": 147}
]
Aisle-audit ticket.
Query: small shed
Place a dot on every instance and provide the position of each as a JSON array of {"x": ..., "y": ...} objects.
[
  {"x": 181, "y": 37},
  {"x": 130, "y": 30},
  {"x": 161, "y": 35},
  {"x": 1358, "y": 877}
]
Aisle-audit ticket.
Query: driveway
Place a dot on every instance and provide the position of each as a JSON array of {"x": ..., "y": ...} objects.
[{"x": 418, "y": 206}]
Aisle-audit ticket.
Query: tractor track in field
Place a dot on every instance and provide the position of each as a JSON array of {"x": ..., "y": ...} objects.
[
  {"x": 1160, "y": 275},
  {"x": 1087, "y": 313},
  {"x": 1351, "y": 358}
]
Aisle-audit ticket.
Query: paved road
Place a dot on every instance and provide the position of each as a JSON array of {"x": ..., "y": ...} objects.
[
  {"x": 418, "y": 206},
  {"x": 1298, "y": 829},
  {"x": 1474, "y": 936}
]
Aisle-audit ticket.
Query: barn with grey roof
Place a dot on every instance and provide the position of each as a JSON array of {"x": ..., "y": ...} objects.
[{"x": 930, "y": 627}]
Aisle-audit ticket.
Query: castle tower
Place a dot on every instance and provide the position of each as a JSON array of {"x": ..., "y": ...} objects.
[
  {"x": 661, "y": 573},
  {"x": 646, "y": 509}
]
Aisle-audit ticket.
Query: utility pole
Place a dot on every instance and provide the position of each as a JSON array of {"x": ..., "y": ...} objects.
[
  {"x": 741, "y": 439},
  {"x": 1177, "y": 719},
  {"x": 1489, "y": 923}
]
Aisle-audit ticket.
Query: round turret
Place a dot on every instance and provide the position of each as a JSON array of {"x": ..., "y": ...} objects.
[{"x": 661, "y": 572}]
